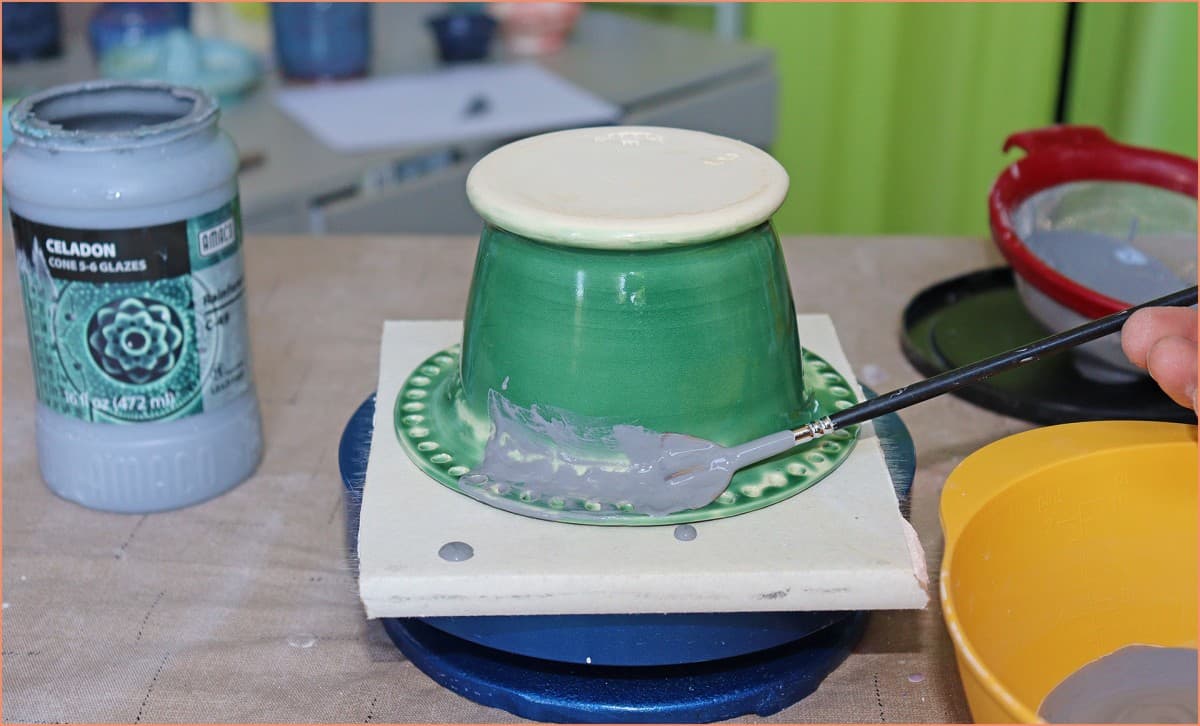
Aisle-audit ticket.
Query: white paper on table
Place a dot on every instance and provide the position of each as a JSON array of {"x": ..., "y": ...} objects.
[{"x": 430, "y": 108}]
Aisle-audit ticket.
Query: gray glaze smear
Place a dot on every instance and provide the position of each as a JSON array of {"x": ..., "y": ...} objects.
[
  {"x": 685, "y": 533},
  {"x": 1136, "y": 684},
  {"x": 456, "y": 551},
  {"x": 544, "y": 453}
]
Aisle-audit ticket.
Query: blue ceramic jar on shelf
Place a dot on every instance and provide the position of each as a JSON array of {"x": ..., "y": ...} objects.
[
  {"x": 31, "y": 31},
  {"x": 322, "y": 41}
]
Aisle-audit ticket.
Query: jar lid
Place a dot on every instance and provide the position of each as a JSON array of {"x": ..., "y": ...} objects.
[{"x": 624, "y": 187}]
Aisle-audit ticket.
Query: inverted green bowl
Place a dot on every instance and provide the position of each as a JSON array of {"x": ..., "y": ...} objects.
[{"x": 698, "y": 339}]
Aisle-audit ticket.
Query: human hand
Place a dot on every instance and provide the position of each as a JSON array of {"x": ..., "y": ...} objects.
[{"x": 1162, "y": 341}]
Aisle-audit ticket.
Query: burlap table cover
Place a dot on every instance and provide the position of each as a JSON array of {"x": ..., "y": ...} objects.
[{"x": 203, "y": 614}]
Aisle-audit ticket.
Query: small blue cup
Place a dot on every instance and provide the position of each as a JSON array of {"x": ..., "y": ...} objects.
[{"x": 463, "y": 36}]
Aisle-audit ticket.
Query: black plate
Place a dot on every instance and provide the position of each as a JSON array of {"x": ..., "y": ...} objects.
[{"x": 979, "y": 314}]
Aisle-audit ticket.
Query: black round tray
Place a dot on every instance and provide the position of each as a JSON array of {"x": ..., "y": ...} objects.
[{"x": 979, "y": 314}]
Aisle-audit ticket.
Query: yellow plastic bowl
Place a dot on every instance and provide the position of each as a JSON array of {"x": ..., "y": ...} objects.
[{"x": 1064, "y": 544}]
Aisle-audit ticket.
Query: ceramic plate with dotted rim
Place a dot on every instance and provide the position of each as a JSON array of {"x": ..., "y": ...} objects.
[{"x": 447, "y": 455}]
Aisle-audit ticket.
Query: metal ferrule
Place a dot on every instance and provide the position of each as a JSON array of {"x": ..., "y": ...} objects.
[{"x": 814, "y": 430}]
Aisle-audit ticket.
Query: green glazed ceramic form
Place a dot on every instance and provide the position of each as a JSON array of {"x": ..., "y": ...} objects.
[
  {"x": 573, "y": 308},
  {"x": 430, "y": 431}
]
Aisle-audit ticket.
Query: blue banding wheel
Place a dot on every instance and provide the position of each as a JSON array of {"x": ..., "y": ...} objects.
[
  {"x": 631, "y": 640},
  {"x": 679, "y": 667},
  {"x": 760, "y": 683}
]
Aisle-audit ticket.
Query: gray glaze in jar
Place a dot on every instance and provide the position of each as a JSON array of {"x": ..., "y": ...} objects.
[{"x": 124, "y": 204}]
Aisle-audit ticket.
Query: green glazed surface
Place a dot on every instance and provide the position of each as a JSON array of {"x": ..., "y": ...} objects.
[
  {"x": 428, "y": 428},
  {"x": 699, "y": 339}
]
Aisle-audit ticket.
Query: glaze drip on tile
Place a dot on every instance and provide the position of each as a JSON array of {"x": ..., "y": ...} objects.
[
  {"x": 685, "y": 533},
  {"x": 456, "y": 552}
]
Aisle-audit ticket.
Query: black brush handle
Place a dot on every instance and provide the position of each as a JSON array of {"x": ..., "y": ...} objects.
[{"x": 950, "y": 380}]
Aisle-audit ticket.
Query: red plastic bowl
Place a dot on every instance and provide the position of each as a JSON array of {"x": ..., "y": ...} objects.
[{"x": 1058, "y": 155}]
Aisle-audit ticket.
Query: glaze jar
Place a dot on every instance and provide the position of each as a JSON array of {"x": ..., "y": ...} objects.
[{"x": 124, "y": 205}]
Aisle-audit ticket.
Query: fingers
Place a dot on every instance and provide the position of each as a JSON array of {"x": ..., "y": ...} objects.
[
  {"x": 1148, "y": 326},
  {"x": 1171, "y": 362}
]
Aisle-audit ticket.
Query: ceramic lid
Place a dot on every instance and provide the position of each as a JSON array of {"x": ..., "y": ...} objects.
[{"x": 627, "y": 186}]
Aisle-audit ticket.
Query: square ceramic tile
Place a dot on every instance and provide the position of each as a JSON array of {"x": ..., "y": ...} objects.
[{"x": 841, "y": 545}]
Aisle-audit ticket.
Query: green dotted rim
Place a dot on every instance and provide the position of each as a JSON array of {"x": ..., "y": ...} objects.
[{"x": 424, "y": 408}]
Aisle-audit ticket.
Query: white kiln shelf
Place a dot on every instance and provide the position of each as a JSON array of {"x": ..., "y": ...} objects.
[{"x": 841, "y": 545}]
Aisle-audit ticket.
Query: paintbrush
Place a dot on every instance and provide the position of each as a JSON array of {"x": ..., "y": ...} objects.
[{"x": 705, "y": 468}]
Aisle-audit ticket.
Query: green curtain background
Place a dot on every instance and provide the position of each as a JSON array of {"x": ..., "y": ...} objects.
[
  {"x": 1134, "y": 73},
  {"x": 892, "y": 116}
]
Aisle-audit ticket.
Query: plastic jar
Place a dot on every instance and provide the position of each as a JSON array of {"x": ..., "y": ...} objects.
[{"x": 125, "y": 215}]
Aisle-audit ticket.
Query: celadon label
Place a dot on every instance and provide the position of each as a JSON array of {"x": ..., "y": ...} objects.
[{"x": 140, "y": 324}]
